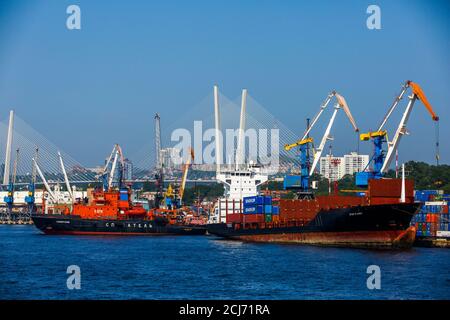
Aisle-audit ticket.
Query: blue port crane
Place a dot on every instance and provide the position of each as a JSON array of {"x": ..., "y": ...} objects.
[
  {"x": 306, "y": 144},
  {"x": 9, "y": 198},
  {"x": 30, "y": 198},
  {"x": 382, "y": 159}
]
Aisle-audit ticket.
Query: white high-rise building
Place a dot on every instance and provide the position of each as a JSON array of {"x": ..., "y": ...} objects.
[
  {"x": 337, "y": 167},
  {"x": 332, "y": 168},
  {"x": 170, "y": 157},
  {"x": 355, "y": 162}
]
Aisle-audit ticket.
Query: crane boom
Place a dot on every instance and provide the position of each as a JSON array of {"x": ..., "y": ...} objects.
[
  {"x": 304, "y": 139},
  {"x": 323, "y": 106},
  {"x": 113, "y": 169},
  {"x": 342, "y": 104},
  {"x": 417, "y": 90},
  {"x": 326, "y": 136},
  {"x": 393, "y": 106},
  {"x": 50, "y": 192},
  {"x": 185, "y": 173}
]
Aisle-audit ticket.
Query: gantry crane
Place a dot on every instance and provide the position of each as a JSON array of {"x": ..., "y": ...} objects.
[
  {"x": 306, "y": 143},
  {"x": 381, "y": 159}
]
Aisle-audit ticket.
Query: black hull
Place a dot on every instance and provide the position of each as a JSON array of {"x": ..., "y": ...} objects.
[
  {"x": 362, "y": 226},
  {"x": 58, "y": 224}
]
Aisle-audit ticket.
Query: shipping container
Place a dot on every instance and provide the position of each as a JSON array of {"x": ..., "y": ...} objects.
[
  {"x": 268, "y": 208},
  {"x": 254, "y": 200},
  {"x": 267, "y": 200},
  {"x": 253, "y": 218},
  {"x": 444, "y": 234},
  {"x": 268, "y": 218},
  {"x": 258, "y": 209},
  {"x": 234, "y": 218},
  {"x": 275, "y": 210}
]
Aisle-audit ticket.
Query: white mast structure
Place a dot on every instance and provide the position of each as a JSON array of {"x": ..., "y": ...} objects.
[
  {"x": 8, "y": 148},
  {"x": 217, "y": 130},
  {"x": 240, "y": 152},
  {"x": 240, "y": 180}
]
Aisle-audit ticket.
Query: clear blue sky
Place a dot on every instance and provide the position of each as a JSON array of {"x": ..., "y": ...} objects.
[{"x": 87, "y": 89}]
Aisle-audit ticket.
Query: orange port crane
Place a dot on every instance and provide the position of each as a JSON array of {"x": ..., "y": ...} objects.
[{"x": 382, "y": 162}]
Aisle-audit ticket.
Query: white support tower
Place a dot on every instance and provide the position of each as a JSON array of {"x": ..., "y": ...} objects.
[
  {"x": 8, "y": 148},
  {"x": 240, "y": 152},
  {"x": 217, "y": 130},
  {"x": 403, "y": 194},
  {"x": 158, "y": 140}
]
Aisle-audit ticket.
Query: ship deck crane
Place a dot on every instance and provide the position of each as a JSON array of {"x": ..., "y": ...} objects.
[
  {"x": 66, "y": 179},
  {"x": 306, "y": 142},
  {"x": 381, "y": 159},
  {"x": 47, "y": 186}
]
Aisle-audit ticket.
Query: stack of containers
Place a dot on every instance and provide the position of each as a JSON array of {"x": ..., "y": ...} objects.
[
  {"x": 426, "y": 195},
  {"x": 433, "y": 218},
  {"x": 260, "y": 209}
]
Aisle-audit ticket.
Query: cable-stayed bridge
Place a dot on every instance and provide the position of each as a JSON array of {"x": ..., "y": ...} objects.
[{"x": 27, "y": 143}]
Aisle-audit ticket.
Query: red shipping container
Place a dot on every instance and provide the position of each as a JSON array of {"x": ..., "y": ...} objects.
[
  {"x": 253, "y": 218},
  {"x": 234, "y": 218}
]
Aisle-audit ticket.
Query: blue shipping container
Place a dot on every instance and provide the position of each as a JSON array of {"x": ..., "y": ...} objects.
[
  {"x": 254, "y": 209},
  {"x": 275, "y": 210},
  {"x": 268, "y": 200},
  {"x": 255, "y": 200},
  {"x": 268, "y": 208}
]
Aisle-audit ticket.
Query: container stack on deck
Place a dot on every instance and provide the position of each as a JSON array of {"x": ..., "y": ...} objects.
[
  {"x": 256, "y": 209},
  {"x": 432, "y": 221}
]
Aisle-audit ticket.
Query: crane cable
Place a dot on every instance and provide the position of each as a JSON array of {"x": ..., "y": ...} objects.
[{"x": 437, "y": 142}]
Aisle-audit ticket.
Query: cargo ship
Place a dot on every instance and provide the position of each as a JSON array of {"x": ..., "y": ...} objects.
[
  {"x": 377, "y": 215},
  {"x": 112, "y": 213},
  {"x": 376, "y": 220}
]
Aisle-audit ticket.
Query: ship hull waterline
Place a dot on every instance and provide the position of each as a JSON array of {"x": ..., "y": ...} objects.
[
  {"x": 67, "y": 225},
  {"x": 380, "y": 226}
]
